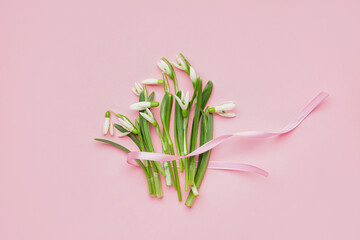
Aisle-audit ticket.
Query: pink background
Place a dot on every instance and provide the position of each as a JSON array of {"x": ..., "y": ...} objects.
[{"x": 63, "y": 63}]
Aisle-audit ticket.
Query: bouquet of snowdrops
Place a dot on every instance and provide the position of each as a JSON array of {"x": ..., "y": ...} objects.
[{"x": 138, "y": 130}]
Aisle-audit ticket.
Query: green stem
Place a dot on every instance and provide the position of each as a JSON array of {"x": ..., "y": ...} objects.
[
  {"x": 177, "y": 144},
  {"x": 138, "y": 140},
  {"x": 207, "y": 135},
  {"x": 157, "y": 181},
  {"x": 179, "y": 131},
  {"x": 186, "y": 160},
  {"x": 176, "y": 173},
  {"x": 165, "y": 115},
  {"x": 145, "y": 130},
  {"x": 194, "y": 131},
  {"x": 178, "y": 187},
  {"x": 168, "y": 175},
  {"x": 172, "y": 75},
  {"x": 150, "y": 178},
  {"x": 175, "y": 83}
]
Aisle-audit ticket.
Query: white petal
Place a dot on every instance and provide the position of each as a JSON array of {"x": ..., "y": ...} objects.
[
  {"x": 139, "y": 88},
  {"x": 147, "y": 117},
  {"x": 150, "y": 81},
  {"x": 182, "y": 106},
  {"x": 135, "y": 91},
  {"x": 225, "y": 107},
  {"x": 126, "y": 124},
  {"x": 227, "y": 114},
  {"x": 106, "y": 125},
  {"x": 123, "y": 134},
  {"x": 144, "y": 115},
  {"x": 111, "y": 129},
  {"x": 182, "y": 97},
  {"x": 178, "y": 66},
  {"x": 178, "y": 100},
  {"x": 181, "y": 61},
  {"x": 167, "y": 69},
  {"x": 164, "y": 67},
  {"x": 139, "y": 106},
  {"x": 226, "y": 102},
  {"x": 149, "y": 113},
  {"x": 187, "y": 98},
  {"x": 192, "y": 74},
  {"x": 160, "y": 65}
]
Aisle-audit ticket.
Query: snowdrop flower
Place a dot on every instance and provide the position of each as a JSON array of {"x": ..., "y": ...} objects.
[
  {"x": 125, "y": 123},
  {"x": 137, "y": 89},
  {"x": 152, "y": 81},
  {"x": 224, "y": 109},
  {"x": 108, "y": 124},
  {"x": 183, "y": 101},
  {"x": 181, "y": 64},
  {"x": 140, "y": 106},
  {"x": 192, "y": 74},
  {"x": 164, "y": 67},
  {"x": 149, "y": 116}
]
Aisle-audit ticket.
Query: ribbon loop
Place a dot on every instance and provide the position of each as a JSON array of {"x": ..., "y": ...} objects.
[{"x": 218, "y": 140}]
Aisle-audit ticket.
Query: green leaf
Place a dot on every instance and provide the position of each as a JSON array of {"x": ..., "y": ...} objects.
[
  {"x": 197, "y": 111},
  {"x": 171, "y": 68},
  {"x": 203, "y": 160},
  {"x": 210, "y": 127},
  {"x": 145, "y": 133},
  {"x": 179, "y": 124},
  {"x": 194, "y": 130},
  {"x": 203, "y": 127},
  {"x": 145, "y": 128},
  {"x": 151, "y": 97},
  {"x": 113, "y": 144},
  {"x": 165, "y": 111},
  {"x": 142, "y": 148},
  {"x": 206, "y": 94},
  {"x": 130, "y": 135},
  {"x": 187, "y": 64}
]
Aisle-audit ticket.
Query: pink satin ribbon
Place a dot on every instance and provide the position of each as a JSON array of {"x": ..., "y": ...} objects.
[{"x": 223, "y": 165}]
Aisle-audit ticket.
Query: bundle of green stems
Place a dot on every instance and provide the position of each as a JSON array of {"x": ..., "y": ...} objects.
[{"x": 139, "y": 131}]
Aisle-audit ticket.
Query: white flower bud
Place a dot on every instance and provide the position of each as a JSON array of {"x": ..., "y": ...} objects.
[
  {"x": 139, "y": 106},
  {"x": 164, "y": 67},
  {"x": 138, "y": 89},
  {"x": 106, "y": 125},
  {"x": 181, "y": 64},
  {"x": 148, "y": 116},
  {"x": 152, "y": 81},
  {"x": 184, "y": 101},
  {"x": 126, "y": 124},
  {"x": 192, "y": 74},
  {"x": 223, "y": 109}
]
